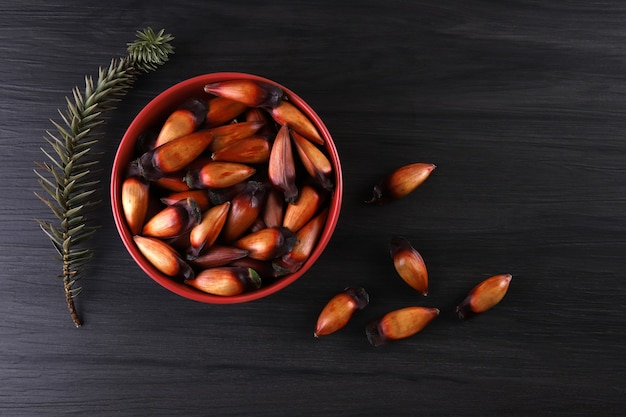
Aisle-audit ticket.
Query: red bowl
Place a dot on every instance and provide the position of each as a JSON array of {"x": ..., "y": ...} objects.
[{"x": 153, "y": 115}]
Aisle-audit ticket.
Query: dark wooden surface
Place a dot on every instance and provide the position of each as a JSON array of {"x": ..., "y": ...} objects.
[{"x": 521, "y": 104}]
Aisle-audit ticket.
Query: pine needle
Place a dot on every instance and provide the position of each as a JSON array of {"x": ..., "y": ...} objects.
[{"x": 67, "y": 176}]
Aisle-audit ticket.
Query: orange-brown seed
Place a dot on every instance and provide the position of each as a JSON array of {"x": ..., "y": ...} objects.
[
  {"x": 135, "y": 201},
  {"x": 306, "y": 238},
  {"x": 218, "y": 174},
  {"x": 339, "y": 309},
  {"x": 245, "y": 207},
  {"x": 400, "y": 182},
  {"x": 274, "y": 208},
  {"x": 282, "y": 170},
  {"x": 250, "y": 92},
  {"x": 314, "y": 161},
  {"x": 298, "y": 213},
  {"x": 173, "y": 220},
  {"x": 269, "y": 243},
  {"x": 232, "y": 132},
  {"x": 484, "y": 296},
  {"x": 205, "y": 233},
  {"x": 409, "y": 264},
  {"x": 163, "y": 257},
  {"x": 286, "y": 114},
  {"x": 217, "y": 255},
  {"x": 226, "y": 281},
  {"x": 222, "y": 110},
  {"x": 174, "y": 155},
  {"x": 250, "y": 150},
  {"x": 201, "y": 197},
  {"x": 399, "y": 324},
  {"x": 182, "y": 121}
]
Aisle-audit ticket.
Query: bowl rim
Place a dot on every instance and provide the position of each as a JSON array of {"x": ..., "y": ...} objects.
[{"x": 168, "y": 100}]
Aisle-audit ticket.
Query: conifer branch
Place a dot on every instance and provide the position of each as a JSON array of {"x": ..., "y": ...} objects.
[{"x": 67, "y": 176}]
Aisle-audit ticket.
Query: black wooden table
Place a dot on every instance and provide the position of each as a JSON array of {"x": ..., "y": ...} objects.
[{"x": 522, "y": 106}]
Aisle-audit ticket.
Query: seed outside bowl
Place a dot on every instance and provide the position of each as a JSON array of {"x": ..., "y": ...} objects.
[{"x": 153, "y": 115}]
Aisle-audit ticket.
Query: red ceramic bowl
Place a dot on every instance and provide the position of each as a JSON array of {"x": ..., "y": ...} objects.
[{"x": 153, "y": 115}]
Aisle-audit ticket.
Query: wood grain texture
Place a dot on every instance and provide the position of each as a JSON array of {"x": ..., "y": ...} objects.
[{"x": 522, "y": 106}]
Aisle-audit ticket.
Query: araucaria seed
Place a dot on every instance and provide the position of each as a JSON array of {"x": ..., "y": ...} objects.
[
  {"x": 298, "y": 213},
  {"x": 339, "y": 309},
  {"x": 281, "y": 170},
  {"x": 249, "y": 92},
  {"x": 409, "y": 264},
  {"x": 306, "y": 238},
  {"x": 251, "y": 150},
  {"x": 135, "y": 198},
  {"x": 216, "y": 255},
  {"x": 226, "y": 281},
  {"x": 274, "y": 208},
  {"x": 218, "y": 174},
  {"x": 205, "y": 233},
  {"x": 174, "y": 155},
  {"x": 314, "y": 161},
  {"x": 172, "y": 182},
  {"x": 484, "y": 296},
  {"x": 183, "y": 121},
  {"x": 268, "y": 243},
  {"x": 226, "y": 134},
  {"x": 222, "y": 110},
  {"x": 245, "y": 207},
  {"x": 400, "y": 182},
  {"x": 286, "y": 114},
  {"x": 399, "y": 324},
  {"x": 173, "y": 220},
  {"x": 200, "y": 196},
  {"x": 163, "y": 257},
  {"x": 256, "y": 114}
]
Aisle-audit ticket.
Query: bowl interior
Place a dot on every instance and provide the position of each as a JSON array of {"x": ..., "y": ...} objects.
[{"x": 155, "y": 114}]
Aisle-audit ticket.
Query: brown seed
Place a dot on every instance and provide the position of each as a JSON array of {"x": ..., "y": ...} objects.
[
  {"x": 399, "y": 324},
  {"x": 400, "y": 182},
  {"x": 135, "y": 201},
  {"x": 174, "y": 155},
  {"x": 250, "y": 150},
  {"x": 268, "y": 243},
  {"x": 339, "y": 309},
  {"x": 257, "y": 225},
  {"x": 222, "y": 110},
  {"x": 205, "y": 233},
  {"x": 201, "y": 197},
  {"x": 217, "y": 255},
  {"x": 314, "y": 161},
  {"x": 298, "y": 213},
  {"x": 282, "y": 170},
  {"x": 244, "y": 209},
  {"x": 218, "y": 175},
  {"x": 306, "y": 238},
  {"x": 409, "y": 264},
  {"x": 484, "y": 296},
  {"x": 226, "y": 281},
  {"x": 182, "y": 121},
  {"x": 173, "y": 220},
  {"x": 256, "y": 114},
  {"x": 232, "y": 132},
  {"x": 251, "y": 93},
  {"x": 263, "y": 268},
  {"x": 163, "y": 257},
  {"x": 173, "y": 182},
  {"x": 286, "y": 114},
  {"x": 273, "y": 209}
]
